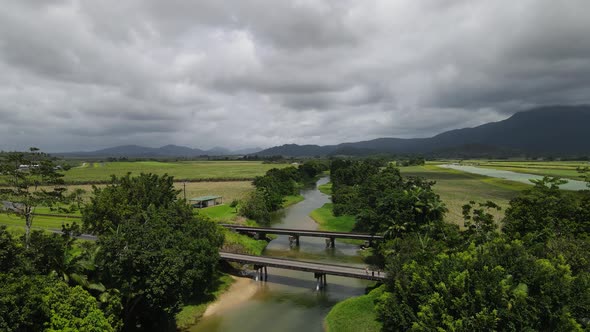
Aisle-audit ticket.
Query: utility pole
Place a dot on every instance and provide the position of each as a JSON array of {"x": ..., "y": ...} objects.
[{"x": 184, "y": 184}]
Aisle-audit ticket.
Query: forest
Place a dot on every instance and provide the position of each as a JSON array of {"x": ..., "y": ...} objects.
[{"x": 527, "y": 272}]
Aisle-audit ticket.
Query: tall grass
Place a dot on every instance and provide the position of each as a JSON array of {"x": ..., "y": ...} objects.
[{"x": 457, "y": 188}]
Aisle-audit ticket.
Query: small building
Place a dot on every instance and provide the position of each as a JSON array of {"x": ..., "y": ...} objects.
[{"x": 205, "y": 201}]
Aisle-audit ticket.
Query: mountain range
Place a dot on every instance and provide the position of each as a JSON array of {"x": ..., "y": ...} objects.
[
  {"x": 136, "y": 151},
  {"x": 544, "y": 131}
]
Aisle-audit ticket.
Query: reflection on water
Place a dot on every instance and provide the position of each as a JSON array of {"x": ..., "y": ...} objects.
[{"x": 287, "y": 301}]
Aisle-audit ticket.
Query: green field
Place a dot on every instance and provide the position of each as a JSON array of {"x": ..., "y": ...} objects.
[
  {"x": 563, "y": 169},
  {"x": 185, "y": 170},
  {"x": 39, "y": 222},
  {"x": 458, "y": 188}
]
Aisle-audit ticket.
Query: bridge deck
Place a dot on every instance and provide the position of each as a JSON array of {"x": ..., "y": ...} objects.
[
  {"x": 303, "y": 232},
  {"x": 337, "y": 270}
]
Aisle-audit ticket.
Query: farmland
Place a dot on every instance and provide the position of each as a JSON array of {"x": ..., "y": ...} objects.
[
  {"x": 184, "y": 170},
  {"x": 458, "y": 188}
]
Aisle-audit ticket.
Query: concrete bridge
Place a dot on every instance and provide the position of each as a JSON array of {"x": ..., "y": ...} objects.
[
  {"x": 319, "y": 270},
  {"x": 296, "y": 233}
]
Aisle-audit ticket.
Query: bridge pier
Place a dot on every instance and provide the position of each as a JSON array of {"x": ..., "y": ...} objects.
[
  {"x": 294, "y": 238},
  {"x": 260, "y": 236},
  {"x": 321, "y": 281},
  {"x": 261, "y": 272},
  {"x": 331, "y": 242}
]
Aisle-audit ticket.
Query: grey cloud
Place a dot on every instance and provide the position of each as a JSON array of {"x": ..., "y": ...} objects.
[{"x": 89, "y": 74}]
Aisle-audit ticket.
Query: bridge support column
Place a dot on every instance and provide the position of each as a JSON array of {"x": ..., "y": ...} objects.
[
  {"x": 294, "y": 238},
  {"x": 261, "y": 272},
  {"x": 320, "y": 281},
  {"x": 330, "y": 242}
]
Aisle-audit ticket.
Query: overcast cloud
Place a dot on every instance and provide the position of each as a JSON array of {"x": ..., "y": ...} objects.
[{"x": 88, "y": 74}]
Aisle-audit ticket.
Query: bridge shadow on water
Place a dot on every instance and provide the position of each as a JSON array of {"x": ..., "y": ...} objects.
[{"x": 307, "y": 281}]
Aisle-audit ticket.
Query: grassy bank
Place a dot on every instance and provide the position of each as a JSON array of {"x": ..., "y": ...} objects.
[
  {"x": 329, "y": 222},
  {"x": 242, "y": 244},
  {"x": 191, "y": 313},
  {"x": 356, "y": 314},
  {"x": 326, "y": 188},
  {"x": 292, "y": 200}
]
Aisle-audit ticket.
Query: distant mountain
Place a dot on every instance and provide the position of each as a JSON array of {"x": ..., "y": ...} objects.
[
  {"x": 136, "y": 151},
  {"x": 554, "y": 130}
]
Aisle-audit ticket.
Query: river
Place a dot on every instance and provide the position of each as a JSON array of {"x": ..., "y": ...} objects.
[
  {"x": 513, "y": 176},
  {"x": 288, "y": 301}
]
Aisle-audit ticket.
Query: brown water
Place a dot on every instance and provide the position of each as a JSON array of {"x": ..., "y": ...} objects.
[{"x": 288, "y": 301}]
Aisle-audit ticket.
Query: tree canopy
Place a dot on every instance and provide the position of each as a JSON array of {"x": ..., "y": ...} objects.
[{"x": 153, "y": 250}]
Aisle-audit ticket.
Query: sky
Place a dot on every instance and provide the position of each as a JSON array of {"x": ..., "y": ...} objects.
[{"x": 89, "y": 74}]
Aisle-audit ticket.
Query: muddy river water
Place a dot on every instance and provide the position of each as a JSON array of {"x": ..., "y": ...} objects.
[{"x": 288, "y": 301}]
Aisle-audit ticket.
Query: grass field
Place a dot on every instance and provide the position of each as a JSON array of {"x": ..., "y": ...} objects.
[
  {"x": 564, "y": 169},
  {"x": 458, "y": 188},
  {"x": 39, "y": 222},
  {"x": 356, "y": 314},
  {"x": 230, "y": 190},
  {"x": 186, "y": 170}
]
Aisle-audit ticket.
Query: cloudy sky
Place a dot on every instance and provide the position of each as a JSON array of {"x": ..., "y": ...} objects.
[{"x": 88, "y": 74}]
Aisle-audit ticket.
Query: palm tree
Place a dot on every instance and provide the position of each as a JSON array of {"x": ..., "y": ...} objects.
[{"x": 74, "y": 266}]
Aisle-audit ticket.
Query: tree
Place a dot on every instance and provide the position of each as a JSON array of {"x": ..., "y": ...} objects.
[
  {"x": 77, "y": 197},
  {"x": 389, "y": 203},
  {"x": 153, "y": 250},
  {"x": 9, "y": 251},
  {"x": 498, "y": 286},
  {"x": 23, "y": 174},
  {"x": 479, "y": 222},
  {"x": 542, "y": 212},
  {"x": 35, "y": 303},
  {"x": 255, "y": 207},
  {"x": 127, "y": 199},
  {"x": 72, "y": 309},
  {"x": 234, "y": 205}
]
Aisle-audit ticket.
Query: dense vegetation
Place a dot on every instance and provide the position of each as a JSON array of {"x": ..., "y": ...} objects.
[
  {"x": 151, "y": 256},
  {"x": 274, "y": 186},
  {"x": 532, "y": 272}
]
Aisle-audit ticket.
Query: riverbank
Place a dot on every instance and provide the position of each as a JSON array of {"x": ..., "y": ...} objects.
[
  {"x": 356, "y": 314},
  {"x": 239, "y": 292},
  {"x": 286, "y": 298},
  {"x": 327, "y": 221},
  {"x": 191, "y": 313}
]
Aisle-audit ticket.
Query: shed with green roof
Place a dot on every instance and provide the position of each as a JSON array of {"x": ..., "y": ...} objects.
[{"x": 205, "y": 201}]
